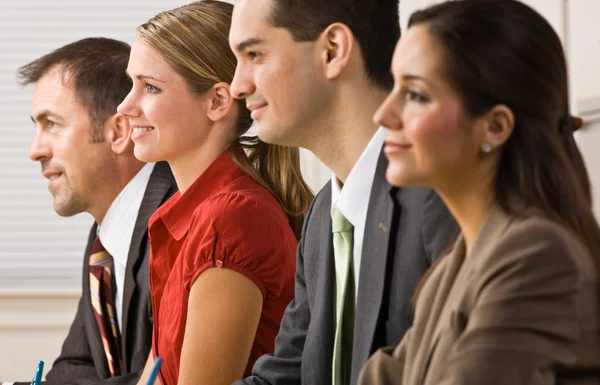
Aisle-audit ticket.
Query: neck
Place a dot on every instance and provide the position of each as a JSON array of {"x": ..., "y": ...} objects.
[
  {"x": 343, "y": 136},
  {"x": 124, "y": 172},
  {"x": 469, "y": 202},
  {"x": 188, "y": 167}
]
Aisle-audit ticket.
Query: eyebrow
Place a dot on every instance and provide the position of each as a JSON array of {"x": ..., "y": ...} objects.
[
  {"x": 408, "y": 78},
  {"x": 248, "y": 43},
  {"x": 142, "y": 77},
  {"x": 44, "y": 116}
]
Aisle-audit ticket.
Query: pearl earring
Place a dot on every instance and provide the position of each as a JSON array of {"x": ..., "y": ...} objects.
[{"x": 486, "y": 147}]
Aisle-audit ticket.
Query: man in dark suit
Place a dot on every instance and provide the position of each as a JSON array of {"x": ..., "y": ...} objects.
[
  {"x": 85, "y": 151},
  {"x": 313, "y": 73}
]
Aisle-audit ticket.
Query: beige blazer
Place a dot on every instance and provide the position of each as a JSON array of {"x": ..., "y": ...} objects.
[{"x": 522, "y": 309}]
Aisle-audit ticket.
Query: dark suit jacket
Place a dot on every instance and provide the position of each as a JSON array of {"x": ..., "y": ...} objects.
[
  {"x": 405, "y": 230},
  {"x": 82, "y": 360},
  {"x": 522, "y": 308}
]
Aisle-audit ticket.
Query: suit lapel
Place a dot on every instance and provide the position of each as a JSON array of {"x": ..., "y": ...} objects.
[
  {"x": 373, "y": 266},
  {"x": 160, "y": 186},
  {"x": 446, "y": 294},
  {"x": 324, "y": 300}
]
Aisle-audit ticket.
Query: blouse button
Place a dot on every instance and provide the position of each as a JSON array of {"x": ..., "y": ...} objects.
[{"x": 219, "y": 263}]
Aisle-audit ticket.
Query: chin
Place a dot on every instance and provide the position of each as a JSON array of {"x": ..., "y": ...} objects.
[
  {"x": 68, "y": 209},
  {"x": 276, "y": 134},
  {"x": 399, "y": 177},
  {"x": 144, "y": 155},
  {"x": 266, "y": 133}
]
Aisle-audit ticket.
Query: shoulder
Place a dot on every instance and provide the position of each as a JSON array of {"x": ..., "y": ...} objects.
[
  {"x": 319, "y": 210},
  {"x": 537, "y": 246},
  {"x": 252, "y": 207},
  {"x": 323, "y": 198}
]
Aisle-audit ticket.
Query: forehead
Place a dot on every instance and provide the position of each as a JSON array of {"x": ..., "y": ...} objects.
[
  {"x": 417, "y": 53},
  {"x": 250, "y": 19},
  {"x": 143, "y": 57},
  {"x": 54, "y": 91}
]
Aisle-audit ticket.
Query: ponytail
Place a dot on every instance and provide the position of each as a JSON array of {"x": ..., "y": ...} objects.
[{"x": 277, "y": 168}]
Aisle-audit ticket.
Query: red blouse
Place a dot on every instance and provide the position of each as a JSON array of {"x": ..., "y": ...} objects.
[{"x": 225, "y": 220}]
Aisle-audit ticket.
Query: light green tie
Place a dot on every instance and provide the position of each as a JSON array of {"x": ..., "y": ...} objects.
[{"x": 343, "y": 244}]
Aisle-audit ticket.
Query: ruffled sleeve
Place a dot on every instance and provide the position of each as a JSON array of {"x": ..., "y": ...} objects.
[{"x": 246, "y": 233}]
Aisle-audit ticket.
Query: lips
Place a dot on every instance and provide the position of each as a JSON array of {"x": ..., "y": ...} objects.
[
  {"x": 139, "y": 130},
  {"x": 395, "y": 147},
  {"x": 51, "y": 174}
]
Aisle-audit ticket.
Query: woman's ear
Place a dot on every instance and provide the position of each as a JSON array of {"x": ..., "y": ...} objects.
[
  {"x": 497, "y": 126},
  {"x": 220, "y": 101},
  {"x": 118, "y": 133}
]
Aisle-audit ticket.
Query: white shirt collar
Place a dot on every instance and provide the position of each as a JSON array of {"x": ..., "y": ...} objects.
[
  {"x": 116, "y": 229},
  {"x": 353, "y": 197}
]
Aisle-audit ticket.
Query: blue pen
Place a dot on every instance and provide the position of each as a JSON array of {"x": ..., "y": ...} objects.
[
  {"x": 154, "y": 372},
  {"x": 37, "y": 378}
]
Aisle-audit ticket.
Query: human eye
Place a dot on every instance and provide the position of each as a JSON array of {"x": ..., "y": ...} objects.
[
  {"x": 253, "y": 55},
  {"x": 151, "y": 89},
  {"x": 414, "y": 96},
  {"x": 49, "y": 124}
]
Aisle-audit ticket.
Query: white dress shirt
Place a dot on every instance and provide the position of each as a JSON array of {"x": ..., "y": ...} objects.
[
  {"x": 116, "y": 229},
  {"x": 353, "y": 197}
]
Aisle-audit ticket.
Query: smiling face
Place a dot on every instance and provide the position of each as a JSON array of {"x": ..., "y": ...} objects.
[
  {"x": 169, "y": 121},
  {"x": 75, "y": 165},
  {"x": 281, "y": 79},
  {"x": 430, "y": 139}
]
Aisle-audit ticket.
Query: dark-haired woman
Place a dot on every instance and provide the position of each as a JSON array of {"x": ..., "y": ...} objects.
[{"x": 480, "y": 113}]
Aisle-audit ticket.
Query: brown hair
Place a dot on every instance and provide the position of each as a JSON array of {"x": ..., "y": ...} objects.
[
  {"x": 540, "y": 165},
  {"x": 97, "y": 68},
  {"x": 193, "y": 39},
  {"x": 375, "y": 25}
]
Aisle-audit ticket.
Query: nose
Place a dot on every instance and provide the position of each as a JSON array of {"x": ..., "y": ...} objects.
[
  {"x": 389, "y": 114},
  {"x": 129, "y": 106},
  {"x": 39, "y": 148},
  {"x": 241, "y": 85}
]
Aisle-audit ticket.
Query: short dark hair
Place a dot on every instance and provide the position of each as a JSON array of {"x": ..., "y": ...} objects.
[
  {"x": 375, "y": 25},
  {"x": 97, "y": 68}
]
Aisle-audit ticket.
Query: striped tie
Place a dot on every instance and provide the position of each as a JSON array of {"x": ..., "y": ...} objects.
[{"x": 101, "y": 293}]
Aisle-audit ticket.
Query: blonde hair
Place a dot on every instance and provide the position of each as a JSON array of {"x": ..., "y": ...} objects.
[{"x": 193, "y": 39}]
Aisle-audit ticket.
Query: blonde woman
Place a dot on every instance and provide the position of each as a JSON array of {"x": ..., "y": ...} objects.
[{"x": 223, "y": 249}]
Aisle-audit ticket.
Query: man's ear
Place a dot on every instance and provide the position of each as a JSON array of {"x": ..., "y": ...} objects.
[
  {"x": 220, "y": 101},
  {"x": 118, "y": 133},
  {"x": 336, "y": 42}
]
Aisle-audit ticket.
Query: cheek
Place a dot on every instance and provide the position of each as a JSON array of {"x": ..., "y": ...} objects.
[{"x": 437, "y": 132}]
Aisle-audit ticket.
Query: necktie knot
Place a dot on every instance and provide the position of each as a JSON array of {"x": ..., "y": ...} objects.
[
  {"x": 339, "y": 223},
  {"x": 99, "y": 256}
]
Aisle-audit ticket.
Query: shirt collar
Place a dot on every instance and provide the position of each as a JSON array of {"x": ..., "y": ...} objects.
[
  {"x": 176, "y": 213},
  {"x": 116, "y": 229},
  {"x": 353, "y": 197}
]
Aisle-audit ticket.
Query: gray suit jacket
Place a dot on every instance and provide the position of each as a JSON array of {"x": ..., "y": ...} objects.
[
  {"x": 82, "y": 360},
  {"x": 406, "y": 229}
]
